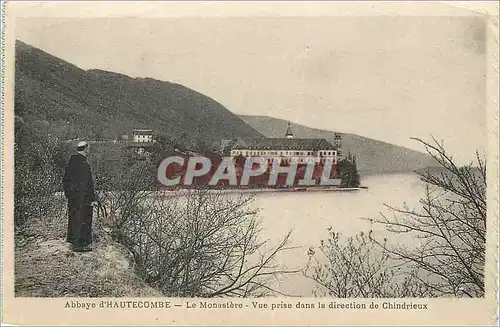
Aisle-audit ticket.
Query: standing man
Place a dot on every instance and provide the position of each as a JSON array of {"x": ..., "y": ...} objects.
[{"x": 79, "y": 190}]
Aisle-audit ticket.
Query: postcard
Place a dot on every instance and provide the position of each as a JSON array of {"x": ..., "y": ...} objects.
[{"x": 250, "y": 163}]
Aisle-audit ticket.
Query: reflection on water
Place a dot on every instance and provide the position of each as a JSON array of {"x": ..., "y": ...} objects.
[{"x": 310, "y": 214}]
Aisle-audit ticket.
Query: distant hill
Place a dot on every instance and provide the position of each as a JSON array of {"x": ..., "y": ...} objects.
[
  {"x": 72, "y": 102},
  {"x": 372, "y": 156},
  {"x": 102, "y": 105}
]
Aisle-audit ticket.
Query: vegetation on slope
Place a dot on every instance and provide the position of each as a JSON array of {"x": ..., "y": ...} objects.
[
  {"x": 45, "y": 266},
  {"x": 103, "y": 105}
]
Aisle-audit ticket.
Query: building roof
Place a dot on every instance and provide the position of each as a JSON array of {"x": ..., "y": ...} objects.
[
  {"x": 130, "y": 144},
  {"x": 281, "y": 144},
  {"x": 142, "y": 132}
]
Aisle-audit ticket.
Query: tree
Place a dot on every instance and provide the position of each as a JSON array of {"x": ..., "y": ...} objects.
[
  {"x": 191, "y": 243},
  {"x": 37, "y": 175},
  {"x": 447, "y": 260},
  {"x": 355, "y": 181},
  {"x": 348, "y": 172},
  {"x": 451, "y": 225},
  {"x": 200, "y": 145}
]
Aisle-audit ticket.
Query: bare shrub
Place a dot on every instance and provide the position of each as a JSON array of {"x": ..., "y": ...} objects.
[
  {"x": 357, "y": 267},
  {"x": 199, "y": 244},
  {"x": 191, "y": 243},
  {"x": 446, "y": 238},
  {"x": 37, "y": 177},
  {"x": 450, "y": 225}
]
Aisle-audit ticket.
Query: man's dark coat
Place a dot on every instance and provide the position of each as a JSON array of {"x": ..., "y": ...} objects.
[{"x": 79, "y": 190}]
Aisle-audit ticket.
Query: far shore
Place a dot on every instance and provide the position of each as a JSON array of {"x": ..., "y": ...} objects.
[
  {"x": 255, "y": 190},
  {"x": 277, "y": 190}
]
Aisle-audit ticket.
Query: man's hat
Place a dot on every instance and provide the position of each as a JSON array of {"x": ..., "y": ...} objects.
[{"x": 81, "y": 145}]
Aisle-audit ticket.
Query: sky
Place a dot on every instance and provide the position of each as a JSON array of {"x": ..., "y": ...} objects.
[{"x": 385, "y": 77}]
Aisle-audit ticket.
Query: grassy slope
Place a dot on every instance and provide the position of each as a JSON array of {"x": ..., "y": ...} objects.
[
  {"x": 96, "y": 103},
  {"x": 372, "y": 156},
  {"x": 46, "y": 267}
]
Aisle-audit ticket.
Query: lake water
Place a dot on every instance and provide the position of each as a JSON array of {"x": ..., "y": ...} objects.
[{"x": 309, "y": 215}]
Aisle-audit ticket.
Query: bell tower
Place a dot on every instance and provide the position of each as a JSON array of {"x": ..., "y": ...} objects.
[
  {"x": 289, "y": 134},
  {"x": 338, "y": 145}
]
